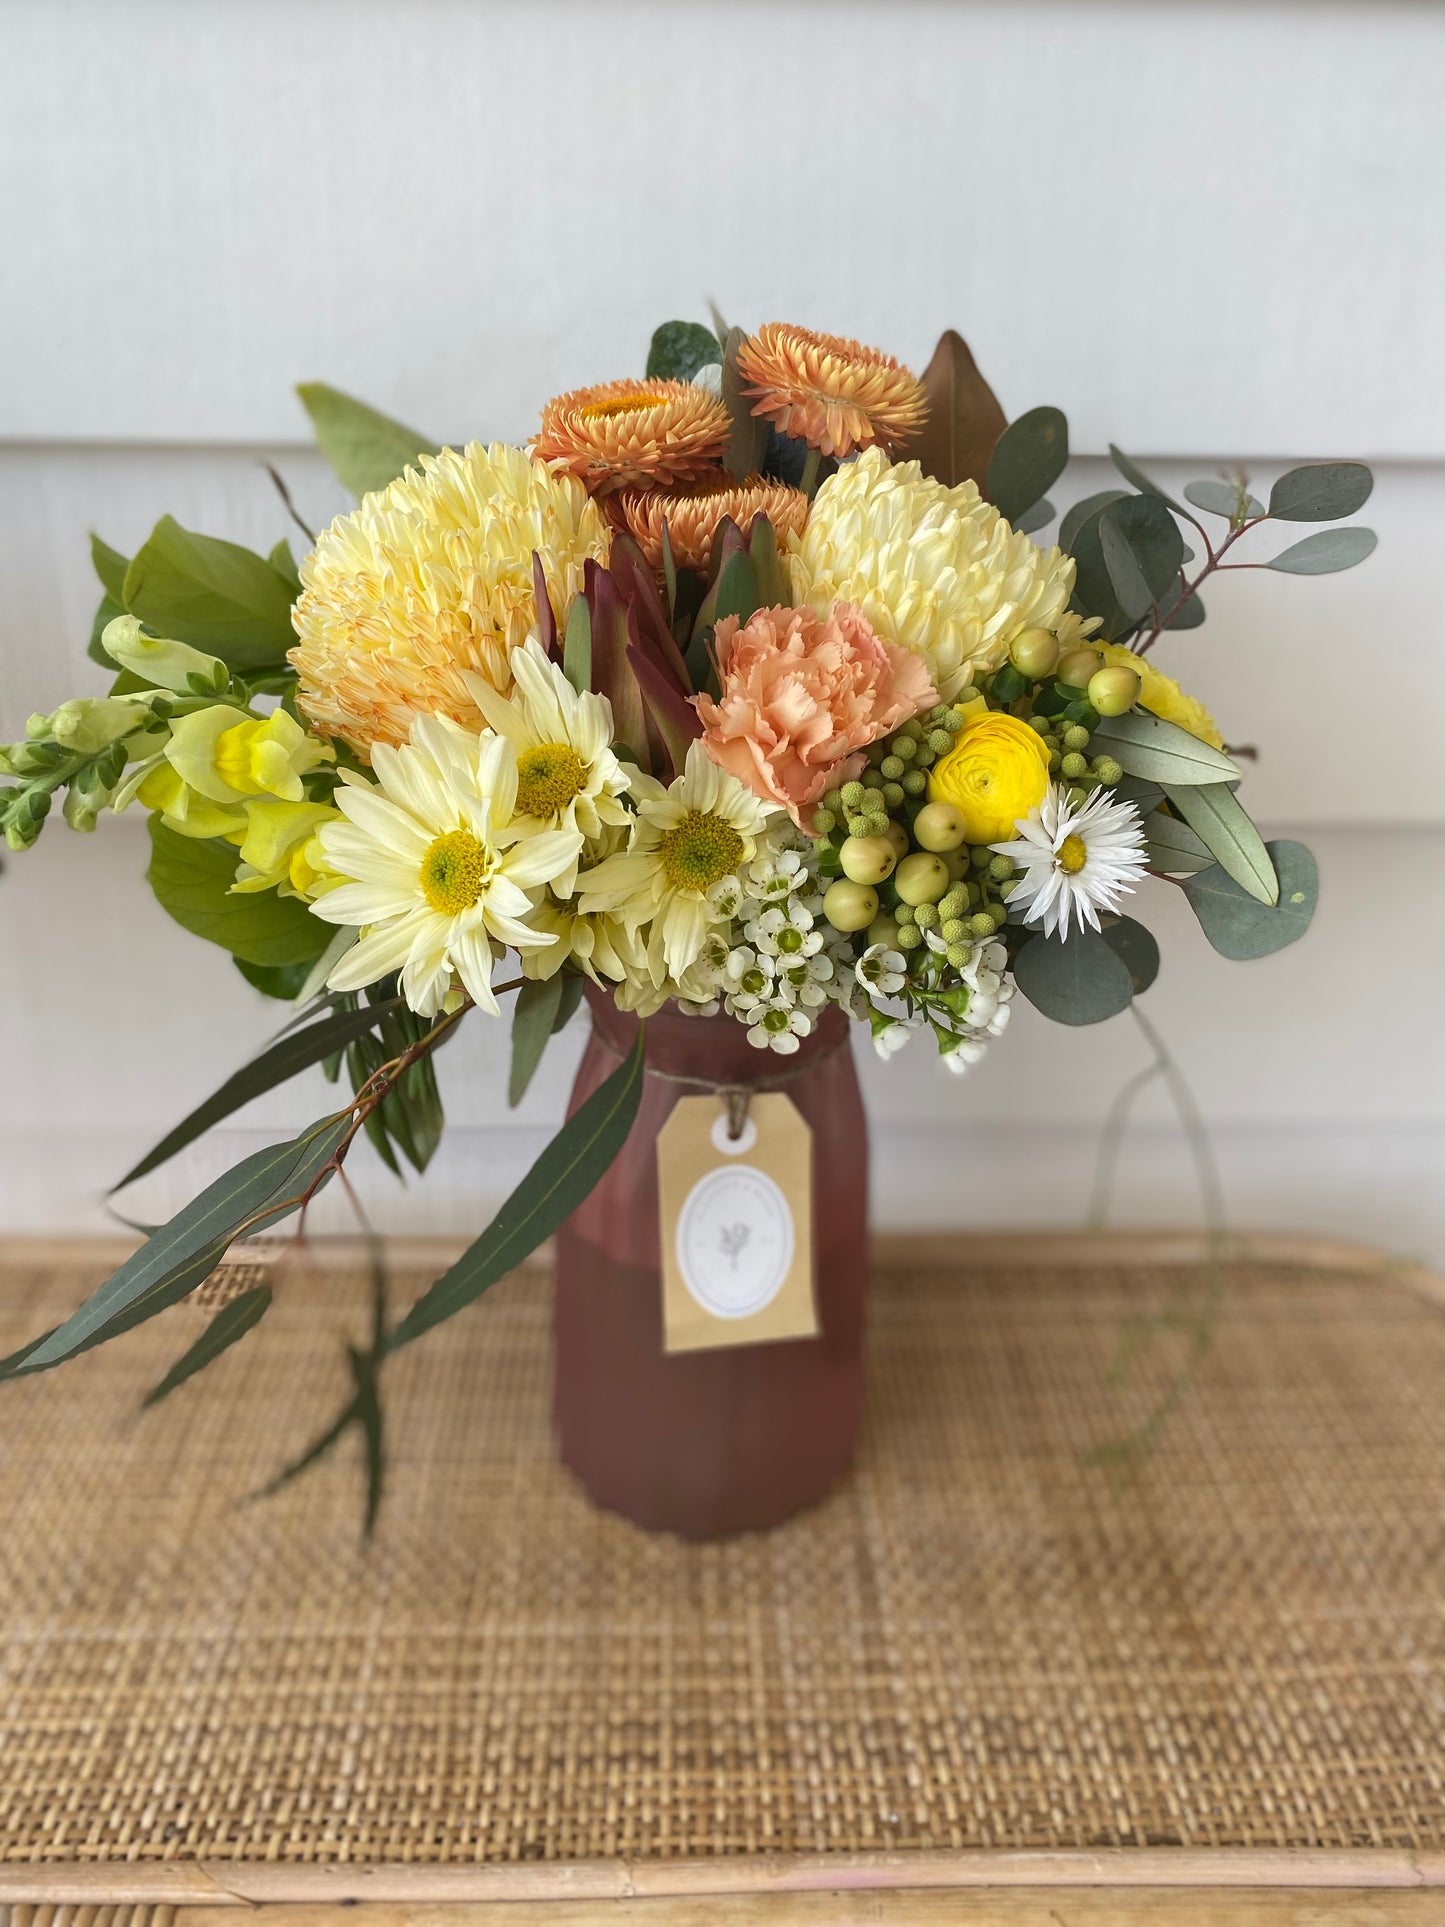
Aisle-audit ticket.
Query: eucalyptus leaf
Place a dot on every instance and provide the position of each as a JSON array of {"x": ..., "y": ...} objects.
[
  {"x": 1160, "y": 752},
  {"x": 533, "y": 1018},
  {"x": 192, "y": 878},
  {"x": 1136, "y": 949},
  {"x": 1321, "y": 492},
  {"x": 1187, "y": 614},
  {"x": 293, "y": 1052},
  {"x": 1089, "y": 505},
  {"x": 1217, "y": 817},
  {"x": 1133, "y": 789},
  {"x": 1146, "y": 484},
  {"x": 1326, "y": 553},
  {"x": 1174, "y": 849},
  {"x": 964, "y": 419},
  {"x": 679, "y": 349},
  {"x": 1079, "y": 979},
  {"x": 1038, "y": 517},
  {"x": 230, "y": 1324},
  {"x": 1223, "y": 498},
  {"x": 1237, "y": 924},
  {"x": 567, "y": 1004},
  {"x": 213, "y": 594},
  {"x": 1028, "y": 458},
  {"x": 1094, "y": 591},
  {"x": 366, "y": 449},
  {"x": 1143, "y": 551},
  {"x": 551, "y": 1191}
]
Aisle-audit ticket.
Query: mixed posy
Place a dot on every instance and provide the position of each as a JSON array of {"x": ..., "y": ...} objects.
[{"x": 745, "y": 686}]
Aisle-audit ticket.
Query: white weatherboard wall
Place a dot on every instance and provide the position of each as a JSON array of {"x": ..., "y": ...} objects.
[{"x": 1208, "y": 232}]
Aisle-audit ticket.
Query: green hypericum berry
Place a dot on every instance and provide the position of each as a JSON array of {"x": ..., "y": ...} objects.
[
  {"x": 1076, "y": 737},
  {"x": 1074, "y": 765},
  {"x": 982, "y": 924},
  {"x": 893, "y": 795},
  {"x": 915, "y": 782},
  {"x": 872, "y": 779},
  {"x": 952, "y": 929},
  {"x": 909, "y": 936},
  {"x": 905, "y": 748},
  {"x": 852, "y": 794},
  {"x": 1001, "y": 868},
  {"x": 824, "y": 822},
  {"x": 940, "y": 742},
  {"x": 1107, "y": 770},
  {"x": 891, "y": 768},
  {"x": 925, "y": 915},
  {"x": 958, "y": 955}
]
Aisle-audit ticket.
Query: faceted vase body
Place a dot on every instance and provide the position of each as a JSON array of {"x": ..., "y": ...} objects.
[{"x": 706, "y": 1443}]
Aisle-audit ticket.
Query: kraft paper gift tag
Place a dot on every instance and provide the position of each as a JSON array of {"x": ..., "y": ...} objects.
[{"x": 737, "y": 1224}]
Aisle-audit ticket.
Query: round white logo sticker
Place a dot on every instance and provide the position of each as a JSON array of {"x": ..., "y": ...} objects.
[{"x": 735, "y": 1241}]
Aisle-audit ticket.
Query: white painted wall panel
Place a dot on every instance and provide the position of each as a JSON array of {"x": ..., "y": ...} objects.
[{"x": 1207, "y": 226}]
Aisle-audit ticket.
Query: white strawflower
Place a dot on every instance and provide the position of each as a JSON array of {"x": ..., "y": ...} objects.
[{"x": 1077, "y": 859}]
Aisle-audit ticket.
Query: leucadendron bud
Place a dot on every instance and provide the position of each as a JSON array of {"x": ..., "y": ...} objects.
[{"x": 163, "y": 663}]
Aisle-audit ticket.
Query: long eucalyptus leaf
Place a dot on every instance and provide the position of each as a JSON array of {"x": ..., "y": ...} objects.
[
  {"x": 293, "y": 1053},
  {"x": 556, "y": 1184},
  {"x": 1218, "y": 818},
  {"x": 533, "y": 1016},
  {"x": 1160, "y": 752},
  {"x": 231, "y": 1323}
]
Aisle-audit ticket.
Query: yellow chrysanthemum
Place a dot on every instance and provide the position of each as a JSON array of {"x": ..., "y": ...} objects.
[
  {"x": 936, "y": 569},
  {"x": 634, "y": 434},
  {"x": 1162, "y": 696},
  {"x": 832, "y": 393},
  {"x": 693, "y": 516},
  {"x": 431, "y": 578}
]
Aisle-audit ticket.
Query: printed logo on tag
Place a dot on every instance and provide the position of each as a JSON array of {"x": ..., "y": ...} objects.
[{"x": 735, "y": 1241}]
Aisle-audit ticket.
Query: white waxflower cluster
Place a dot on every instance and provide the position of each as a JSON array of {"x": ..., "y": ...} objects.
[
  {"x": 974, "y": 1007},
  {"x": 771, "y": 960}
]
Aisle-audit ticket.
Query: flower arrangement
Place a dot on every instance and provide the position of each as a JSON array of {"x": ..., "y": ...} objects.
[{"x": 747, "y": 687}]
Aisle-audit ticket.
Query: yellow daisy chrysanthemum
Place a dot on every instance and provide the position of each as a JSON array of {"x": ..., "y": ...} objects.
[
  {"x": 935, "y": 569},
  {"x": 1162, "y": 696},
  {"x": 429, "y": 579}
]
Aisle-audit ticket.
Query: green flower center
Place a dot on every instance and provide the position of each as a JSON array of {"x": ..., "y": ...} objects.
[
  {"x": 1071, "y": 855},
  {"x": 453, "y": 872},
  {"x": 701, "y": 849},
  {"x": 548, "y": 777}
]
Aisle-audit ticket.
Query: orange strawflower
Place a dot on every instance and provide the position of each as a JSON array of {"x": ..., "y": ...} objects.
[
  {"x": 629, "y": 434},
  {"x": 693, "y": 515},
  {"x": 834, "y": 394}
]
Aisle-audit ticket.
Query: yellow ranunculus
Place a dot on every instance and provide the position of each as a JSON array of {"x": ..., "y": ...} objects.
[
  {"x": 996, "y": 772},
  {"x": 1162, "y": 696},
  {"x": 272, "y": 850}
]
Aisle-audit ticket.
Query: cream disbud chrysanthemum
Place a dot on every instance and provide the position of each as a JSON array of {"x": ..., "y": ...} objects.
[
  {"x": 1076, "y": 858},
  {"x": 685, "y": 839},
  {"x": 432, "y": 578},
  {"x": 567, "y": 775},
  {"x": 936, "y": 569},
  {"x": 438, "y": 872}
]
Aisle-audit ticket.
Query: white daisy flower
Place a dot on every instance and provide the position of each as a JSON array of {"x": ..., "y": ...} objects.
[
  {"x": 1076, "y": 859},
  {"x": 437, "y": 867},
  {"x": 684, "y": 840},
  {"x": 567, "y": 775}
]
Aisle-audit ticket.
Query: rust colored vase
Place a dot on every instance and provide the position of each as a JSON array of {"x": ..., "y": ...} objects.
[{"x": 707, "y": 1443}]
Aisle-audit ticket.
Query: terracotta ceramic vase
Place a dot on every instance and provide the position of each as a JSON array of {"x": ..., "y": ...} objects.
[{"x": 706, "y": 1443}]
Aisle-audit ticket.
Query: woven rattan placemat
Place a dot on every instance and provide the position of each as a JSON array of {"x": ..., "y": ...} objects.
[{"x": 986, "y": 1639}]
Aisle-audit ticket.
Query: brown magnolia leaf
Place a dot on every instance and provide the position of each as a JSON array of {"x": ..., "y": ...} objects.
[{"x": 964, "y": 418}]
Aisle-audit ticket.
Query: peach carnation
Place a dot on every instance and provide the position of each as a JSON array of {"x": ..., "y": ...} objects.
[
  {"x": 693, "y": 515},
  {"x": 802, "y": 697},
  {"x": 832, "y": 393}
]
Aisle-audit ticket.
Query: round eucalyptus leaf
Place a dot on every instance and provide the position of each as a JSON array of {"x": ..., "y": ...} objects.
[
  {"x": 1321, "y": 492},
  {"x": 1240, "y": 927},
  {"x": 1028, "y": 458},
  {"x": 1038, "y": 517},
  {"x": 1079, "y": 980},
  {"x": 1223, "y": 498},
  {"x": 1132, "y": 472},
  {"x": 1136, "y": 949},
  {"x": 1087, "y": 505},
  {"x": 1326, "y": 553},
  {"x": 1142, "y": 548},
  {"x": 1188, "y": 615},
  {"x": 679, "y": 349}
]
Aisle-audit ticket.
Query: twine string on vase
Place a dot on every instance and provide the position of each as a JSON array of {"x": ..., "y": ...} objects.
[{"x": 736, "y": 1097}]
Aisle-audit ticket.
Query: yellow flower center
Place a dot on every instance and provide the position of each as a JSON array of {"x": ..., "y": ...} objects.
[
  {"x": 701, "y": 849},
  {"x": 548, "y": 777},
  {"x": 1071, "y": 855},
  {"x": 621, "y": 405},
  {"x": 453, "y": 872}
]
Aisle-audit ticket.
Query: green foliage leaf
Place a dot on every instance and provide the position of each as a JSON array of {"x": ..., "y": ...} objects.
[
  {"x": 255, "y": 1193},
  {"x": 1160, "y": 752},
  {"x": 213, "y": 594},
  {"x": 964, "y": 420},
  {"x": 110, "y": 565},
  {"x": 1083, "y": 510},
  {"x": 284, "y": 563},
  {"x": 192, "y": 877},
  {"x": 679, "y": 349},
  {"x": 1094, "y": 591},
  {"x": 534, "y": 1017},
  {"x": 1228, "y": 499},
  {"x": 1174, "y": 848},
  {"x": 1142, "y": 550},
  {"x": 230, "y": 1323},
  {"x": 1216, "y": 815},
  {"x": 1321, "y": 492},
  {"x": 745, "y": 451},
  {"x": 572, "y": 989},
  {"x": 554, "y": 1187},
  {"x": 292, "y": 1053},
  {"x": 366, "y": 449},
  {"x": 1079, "y": 980},
  {"x": 284, "y": 982},
  {"x": 1145, "y": 484},
  {"x": 1136, "y": 949},
  {"x": 1326, "y": 553},
  {"x": 1028, "y": 458},
  {"x": 1188, "y": 615},
  {"x": 1237, "y": 924}
]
